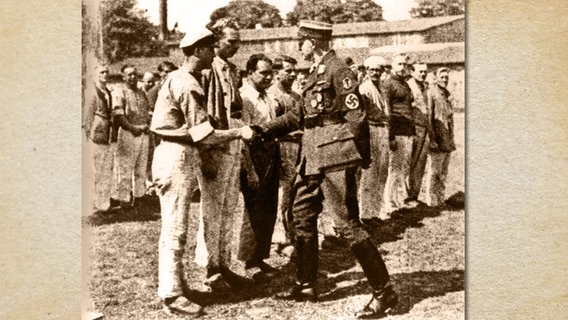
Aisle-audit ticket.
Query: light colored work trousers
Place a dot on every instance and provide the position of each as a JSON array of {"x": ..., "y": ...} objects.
[
  {"x": 418, "y": 161},
  {"x": 399, "y": 169},
  {"x": 174, "y": 169},
  {"x": 436, "y": 181},
  {"x": 373, "y": 179},
  {"x": 217, "y": 209},
  {"x": 131, "y": 159},
  {"x": 98, "y": 180}
]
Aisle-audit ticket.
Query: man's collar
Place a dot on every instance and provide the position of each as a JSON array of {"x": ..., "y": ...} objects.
[
  {"x": 282, "y": 88},
  {"x": 220, "y": 61},
  {"x": 397, "y": 77},
  {"x": 327, "y": 55},
  {"x": 135, "y": 88},
  {"x": 420, "y": 84},
  {"x": 322, "y": 60},
  {"x": 101, "y": 86},
  {"x": 443, "y": 89},
  {"x": 249, "y": 89}
]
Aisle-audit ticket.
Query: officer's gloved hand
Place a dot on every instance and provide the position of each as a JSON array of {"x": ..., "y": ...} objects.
[{"x": 260, "y": 131}]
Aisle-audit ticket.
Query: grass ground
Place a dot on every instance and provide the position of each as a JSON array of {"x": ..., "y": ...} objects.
[{"x": 423, "y": 248}]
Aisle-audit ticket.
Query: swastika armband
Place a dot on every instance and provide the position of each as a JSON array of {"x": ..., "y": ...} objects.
[{"x": 352, "y": 101}]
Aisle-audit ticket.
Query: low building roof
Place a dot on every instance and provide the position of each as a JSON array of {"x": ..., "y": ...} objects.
[
  {"x": 433, "y": 53},
  {"x": 355, "y": 28}
]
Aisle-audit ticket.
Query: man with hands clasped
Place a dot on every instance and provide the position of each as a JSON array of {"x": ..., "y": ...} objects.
[{"x": 131, "y": 111}]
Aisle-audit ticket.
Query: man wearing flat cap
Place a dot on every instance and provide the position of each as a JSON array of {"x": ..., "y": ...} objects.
[
  {"x": 180, "y": 119},
  {"x": 442, "y": 142},
  {"x": 334, "y": 145}
]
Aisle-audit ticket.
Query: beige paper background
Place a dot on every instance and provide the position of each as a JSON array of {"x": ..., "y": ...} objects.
[{"x": 517, "y": 213}]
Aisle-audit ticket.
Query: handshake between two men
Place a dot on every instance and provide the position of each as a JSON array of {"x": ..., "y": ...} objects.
[{"x": 251, "y": 132}]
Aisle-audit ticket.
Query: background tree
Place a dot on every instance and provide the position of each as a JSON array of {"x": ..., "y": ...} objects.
[
  {"x": 335, "y": 11},
  {"x": 127, "y": 32},
  {"x": 248, "y": 13},
  {"x": 437, "y": 8}
]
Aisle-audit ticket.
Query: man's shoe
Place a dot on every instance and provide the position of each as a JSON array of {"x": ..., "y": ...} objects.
[
  {"x": 300, "y": 293},
  {"x": 410, "y": 204},
  {"x": 380, "y": 303},
  {"x": 266, "y": 268},
  {"x": 217, "y": 283},
  {"x": 234, "y": 280},
  {"x": 167, "y": 306},
  {"x": 170, "y": 310},
  {"x": 263, "y": 266},
  {"x": 198, "y": 297}
]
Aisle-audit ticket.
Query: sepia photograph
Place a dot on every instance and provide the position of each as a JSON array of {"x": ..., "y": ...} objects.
[
  {"x": 273, "y": 159},
  {"x": 139, "y": 184}
]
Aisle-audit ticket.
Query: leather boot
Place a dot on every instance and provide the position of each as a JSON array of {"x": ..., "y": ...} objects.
[
  {"x": 307, "y": 271},
  {"x": 301, "y": 292},
  {"x": 377, "y": 275},
  {"x": 381, "y": 302},
  {"x": 372, "y": 264}
]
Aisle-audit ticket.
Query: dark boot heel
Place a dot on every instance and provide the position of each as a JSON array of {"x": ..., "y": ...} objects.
[{"x": 380, "y": 304}]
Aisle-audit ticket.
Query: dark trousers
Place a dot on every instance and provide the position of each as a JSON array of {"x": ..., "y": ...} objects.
[
  {"x": 338, "y": 191},
  {"x": 261, "y": 204}
]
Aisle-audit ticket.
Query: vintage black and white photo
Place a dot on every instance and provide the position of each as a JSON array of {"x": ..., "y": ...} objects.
[{"x": 274, "y": 159}]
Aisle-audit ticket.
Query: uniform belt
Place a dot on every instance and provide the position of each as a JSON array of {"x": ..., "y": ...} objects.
[
  {"x": 321, "y": 121},
  {"x": 290, "y": 139}
]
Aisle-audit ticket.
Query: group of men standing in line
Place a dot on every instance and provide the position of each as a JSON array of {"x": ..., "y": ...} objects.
[{"x": 339, "y": 144}]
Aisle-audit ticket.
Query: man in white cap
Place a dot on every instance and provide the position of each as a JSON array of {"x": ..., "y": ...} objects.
[
  {"x": 334, "y": 145},
  {"x": 373, "y": 179},
  {"x": 220, "y": 186},
  {"x": 421, "y": 116},
  {"x": 180, "y": 119}
]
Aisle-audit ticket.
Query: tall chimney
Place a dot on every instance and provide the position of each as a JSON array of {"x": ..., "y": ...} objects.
[{"x": 164, "y": 32}]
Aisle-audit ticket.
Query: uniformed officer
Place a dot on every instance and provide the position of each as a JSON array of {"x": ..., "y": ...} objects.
[{"x": 334, "y": 145}]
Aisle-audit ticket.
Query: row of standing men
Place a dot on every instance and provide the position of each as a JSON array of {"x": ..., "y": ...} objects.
[{"x": 206, "y": 124}]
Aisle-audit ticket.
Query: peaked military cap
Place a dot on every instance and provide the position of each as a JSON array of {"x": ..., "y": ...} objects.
[{"x": 314, "y": 29}]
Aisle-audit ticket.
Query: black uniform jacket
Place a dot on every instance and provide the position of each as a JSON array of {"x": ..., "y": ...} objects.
[{"x": 336, "y": 133}]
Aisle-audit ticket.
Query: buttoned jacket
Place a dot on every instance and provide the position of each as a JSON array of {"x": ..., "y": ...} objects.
[
  {"x": 442, "y": 118},
  {"x": 420, "y": 110},
  {"x": 336, "y": 132}
]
